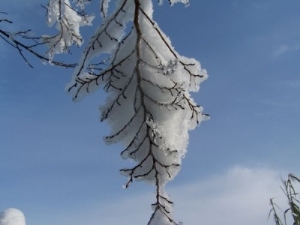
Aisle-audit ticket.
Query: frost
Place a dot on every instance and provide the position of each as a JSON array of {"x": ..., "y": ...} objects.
[
  {"x": 168, "y": 68},
  {"x": 172, "y": 2},
  {"x": 12, "y": 36},
  {"x": 104, "y": 7},
  {"x": 81, "y": 3},
  {"x": 68, "y": 22},
  {"x": 149, "y": 107}
]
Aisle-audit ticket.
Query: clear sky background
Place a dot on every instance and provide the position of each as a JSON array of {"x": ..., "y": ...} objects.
[{"x": 57, "y": 170}]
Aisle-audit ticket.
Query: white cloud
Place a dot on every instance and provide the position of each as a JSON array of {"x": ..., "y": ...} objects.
[
  {"x": 284, "y": 49},
  {"x": 239, "y": 196}
]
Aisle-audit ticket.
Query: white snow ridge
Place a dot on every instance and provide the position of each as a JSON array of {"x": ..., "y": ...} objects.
[{"x": 12, "y": 216}]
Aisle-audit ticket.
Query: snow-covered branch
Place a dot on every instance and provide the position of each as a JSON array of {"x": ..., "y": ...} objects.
[
  {"x": 24, "y": 42},
  {"x": 68, "y": 17},
  {"x": 68, "y": 21},
  {"x": 149, "y": 107}
]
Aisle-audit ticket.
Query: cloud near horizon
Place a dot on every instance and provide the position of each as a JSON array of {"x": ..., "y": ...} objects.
[{"x": 239, "y": 196}]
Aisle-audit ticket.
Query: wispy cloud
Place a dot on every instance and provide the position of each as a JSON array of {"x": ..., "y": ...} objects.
[
  {"x": 239, "y": 196},
  {"x": 262, "y": 5},
  {"x": 292, "y": 84},
  {"x": 279, "y": 103},
  {"x": 284, "y": 49},
  {"x": 280, "y": 50}
]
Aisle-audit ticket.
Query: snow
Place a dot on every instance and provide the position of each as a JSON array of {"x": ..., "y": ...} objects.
[
  {"x": 12, "y": 216},
  {"x": 68, "y": 23},
  {"x": 172, "y": 2},
  {"x": 104, "y": 7},
  {"x": 149, "y": 107},
  {"x": 105, "y": 41}
]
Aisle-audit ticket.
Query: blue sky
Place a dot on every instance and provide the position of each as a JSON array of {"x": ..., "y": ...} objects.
[{"x": 57, "y": 170}]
